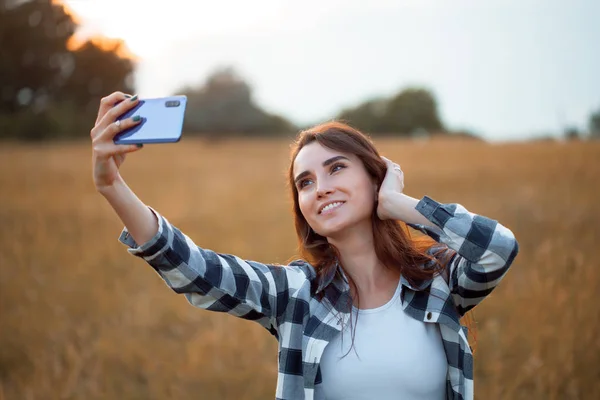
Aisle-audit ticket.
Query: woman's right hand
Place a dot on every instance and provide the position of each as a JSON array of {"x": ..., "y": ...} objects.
[{"x": 107, "y": 156}]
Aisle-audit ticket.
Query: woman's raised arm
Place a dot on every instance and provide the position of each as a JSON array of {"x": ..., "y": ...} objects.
[
  {"x": 223, "y": 282},
  {"x": 209, "y": 280},
  {"x": 107, "y": 158}
]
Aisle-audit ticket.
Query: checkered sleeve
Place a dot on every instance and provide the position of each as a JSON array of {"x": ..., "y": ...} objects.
[
  {"x": 485, "y": 249},
  {"x": 216, "y": 281}
]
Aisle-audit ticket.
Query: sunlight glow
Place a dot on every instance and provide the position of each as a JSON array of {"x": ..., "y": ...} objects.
[{"x": 148, "y": 27}]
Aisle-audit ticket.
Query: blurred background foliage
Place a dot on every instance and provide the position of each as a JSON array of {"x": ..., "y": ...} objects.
[
  {"x": 409, "y": 110},
  {"x": 51, "y": 83},
  {"x": 223, "y": 105}
]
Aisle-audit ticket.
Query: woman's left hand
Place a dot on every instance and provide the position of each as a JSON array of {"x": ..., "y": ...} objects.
[{"x": 392, "y": 185}]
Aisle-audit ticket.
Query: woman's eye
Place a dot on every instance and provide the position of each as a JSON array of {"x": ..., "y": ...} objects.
[
  {"x": 304, "y": 183},
  {"x": 337, "y": 167}
]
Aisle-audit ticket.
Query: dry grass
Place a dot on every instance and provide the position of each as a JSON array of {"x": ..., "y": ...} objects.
[{"x": 80, "y": 318}]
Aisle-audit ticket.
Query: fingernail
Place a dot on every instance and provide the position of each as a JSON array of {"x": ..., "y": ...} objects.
[
  {"x": 136, "y": 118},
  {"x": 127, "y": 96},
  {"x": 139, "y": 145},
  {"x": 134, "y": 98}
]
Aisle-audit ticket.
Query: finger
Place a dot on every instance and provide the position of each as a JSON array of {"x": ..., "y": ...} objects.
[
  {"x": 111, "y": 115},
  {"x": 114, "y": 128},
  {"x": 116, "y": 111},
  {"x": 392, "y": 167},
  {"x": 389, "y": 163},
  {"x": 108, "y": 102}
]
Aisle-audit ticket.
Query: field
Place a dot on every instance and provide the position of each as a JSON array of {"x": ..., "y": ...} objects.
[{"x": 80, "y": 318}]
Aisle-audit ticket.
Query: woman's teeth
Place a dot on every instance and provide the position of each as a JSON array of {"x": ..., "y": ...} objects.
[{"x": 331, "y": 206}]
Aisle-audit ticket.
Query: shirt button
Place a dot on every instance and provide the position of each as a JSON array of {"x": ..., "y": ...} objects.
[{"x": 429, "y": 315}]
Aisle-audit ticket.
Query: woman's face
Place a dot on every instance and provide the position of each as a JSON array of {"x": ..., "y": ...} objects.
[{"x": 335, "y": 192}]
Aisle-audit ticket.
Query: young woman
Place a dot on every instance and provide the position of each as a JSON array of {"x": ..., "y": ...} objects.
[{"x": 369, "y": 312}]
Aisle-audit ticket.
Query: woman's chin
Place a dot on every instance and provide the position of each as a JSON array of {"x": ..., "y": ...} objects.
[{"x": 332, "y": 230}]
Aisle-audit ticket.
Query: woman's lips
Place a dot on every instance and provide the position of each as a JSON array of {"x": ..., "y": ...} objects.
[{"x": 331, "y": 207}]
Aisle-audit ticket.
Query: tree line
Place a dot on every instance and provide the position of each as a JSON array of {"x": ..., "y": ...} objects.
[
  {"x": 223, "y": 105},
  {"x": 50, "y": 87}
]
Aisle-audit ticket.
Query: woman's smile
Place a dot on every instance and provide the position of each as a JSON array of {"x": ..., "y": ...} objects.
[{"x": 330, "y": 207}]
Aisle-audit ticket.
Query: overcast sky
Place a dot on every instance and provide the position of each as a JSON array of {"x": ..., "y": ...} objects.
[{"x": 505, "y": 69}]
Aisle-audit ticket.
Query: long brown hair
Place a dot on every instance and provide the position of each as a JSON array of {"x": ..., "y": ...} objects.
[{"x": 394, "y": 245}]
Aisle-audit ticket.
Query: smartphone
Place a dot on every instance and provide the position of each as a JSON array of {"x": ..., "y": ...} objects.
[{"x": 162, "y": 121}]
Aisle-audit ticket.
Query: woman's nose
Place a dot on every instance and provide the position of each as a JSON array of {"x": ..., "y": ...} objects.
[{"x": 323, "y": 191}]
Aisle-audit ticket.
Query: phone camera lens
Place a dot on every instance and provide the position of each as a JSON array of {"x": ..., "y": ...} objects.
[{"x": 172, "y": 103}]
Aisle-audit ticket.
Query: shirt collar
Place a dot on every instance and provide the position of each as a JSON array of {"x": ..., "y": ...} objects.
[
  {"x": 326, "y": 279},
  {"x": 417, "y": 288}
]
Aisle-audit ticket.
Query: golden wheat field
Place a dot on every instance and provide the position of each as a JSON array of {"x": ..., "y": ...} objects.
[{"x": 81, "y": 318}]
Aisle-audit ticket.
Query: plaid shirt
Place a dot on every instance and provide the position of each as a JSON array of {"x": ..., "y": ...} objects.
[{"x": 281, "y": 300}]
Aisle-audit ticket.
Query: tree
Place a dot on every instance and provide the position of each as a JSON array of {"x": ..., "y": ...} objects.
[
  {"x": 33, "y": 42},
  {"x": 97, "y": 70},
  {"x": 572, "y": 133},
  {"x": 48, "y": 87},
  {"x": 411, "y": 110},
  {"x": 224, "y": 105},
  {"x": 369, "y": 115},
  {"x": 594, "y": 125}
]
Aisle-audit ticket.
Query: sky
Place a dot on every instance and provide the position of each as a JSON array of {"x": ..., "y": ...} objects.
[{"x": 504, "y": 69}]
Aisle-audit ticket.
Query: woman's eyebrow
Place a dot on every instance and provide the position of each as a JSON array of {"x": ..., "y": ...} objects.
[
  {"x": 325, "y": 163},
  {"x": 300, "y": 176},
  {"x": 334, "y": 159}
]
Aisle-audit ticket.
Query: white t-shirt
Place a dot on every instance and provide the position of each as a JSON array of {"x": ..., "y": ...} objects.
[{"x": 394, "y": 357}]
